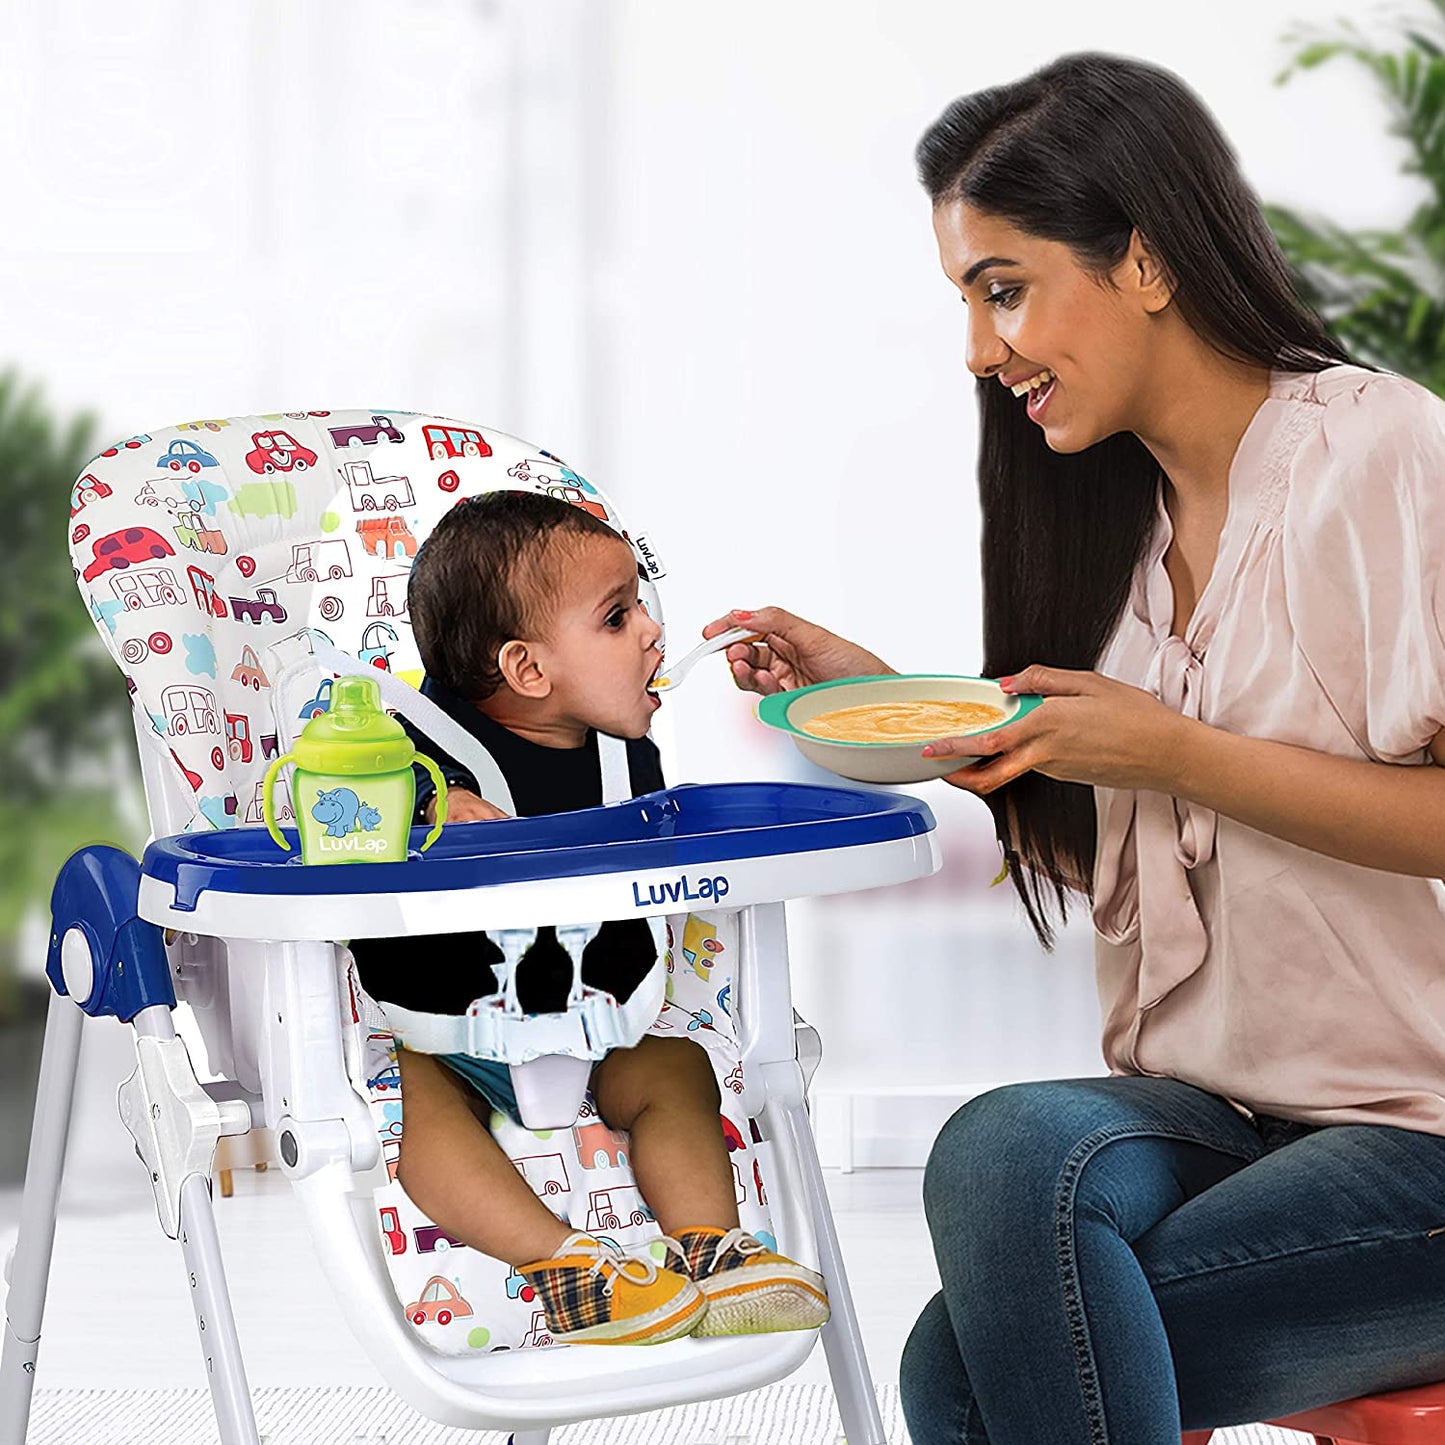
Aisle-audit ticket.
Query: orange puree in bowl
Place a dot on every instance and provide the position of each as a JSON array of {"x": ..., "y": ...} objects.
[{"x": 902, "y": 722}]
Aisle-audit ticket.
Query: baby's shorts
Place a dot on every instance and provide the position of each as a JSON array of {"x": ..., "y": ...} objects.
[{"x": 493, "y": 1081}]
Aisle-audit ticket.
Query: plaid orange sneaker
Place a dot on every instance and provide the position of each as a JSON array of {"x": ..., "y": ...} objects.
[
  {"x": 749, "y": 1289},
  {"x": 593, "y": 1294}
]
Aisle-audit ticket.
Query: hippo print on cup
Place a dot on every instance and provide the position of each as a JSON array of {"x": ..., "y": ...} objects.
[{"x": 342, "y": 812}]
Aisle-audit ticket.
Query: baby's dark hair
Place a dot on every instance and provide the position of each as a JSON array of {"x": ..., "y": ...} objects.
[{"x": 484, "y": 576}]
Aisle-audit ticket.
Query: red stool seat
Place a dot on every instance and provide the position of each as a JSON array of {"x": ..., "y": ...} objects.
[{"x": 1402, "y": 1417}]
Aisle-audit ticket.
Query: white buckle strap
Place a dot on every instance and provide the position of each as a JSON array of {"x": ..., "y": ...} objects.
[
  {"x": 439, "y": 726},
  {"x": 589, "y": 1029},
  {"x": 616, "y": 774},
  {"x": 549, "y": 1056}
]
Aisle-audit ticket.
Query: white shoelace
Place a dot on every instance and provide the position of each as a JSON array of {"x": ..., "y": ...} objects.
[
  {"x": 738, "y": 1239},
  {"x": 610, "y": 1261}
]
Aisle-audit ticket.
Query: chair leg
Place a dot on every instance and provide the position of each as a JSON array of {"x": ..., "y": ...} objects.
[
  {"x": 842, "y": 1336},
  {"x": 228, "y": 1184},
  {"x": 210, "y": 1298},
  {"x": 211, "y": 1301},
  {"x": 25, "y": 1303}
]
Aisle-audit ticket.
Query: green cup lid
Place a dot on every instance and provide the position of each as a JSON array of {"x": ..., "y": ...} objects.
[{"x": 356, "y": 735}]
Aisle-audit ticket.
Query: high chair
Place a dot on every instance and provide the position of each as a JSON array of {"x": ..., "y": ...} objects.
[
  {"x": 234, "y": 568},
  {"x": 1398, "y": 1417}
]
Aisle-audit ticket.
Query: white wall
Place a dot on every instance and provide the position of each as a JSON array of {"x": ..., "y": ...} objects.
[
  {"x": 239, "y": 207},
  {"x": 682, "y": 246}
]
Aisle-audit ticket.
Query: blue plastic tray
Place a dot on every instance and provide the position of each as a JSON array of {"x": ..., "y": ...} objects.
[{"x": 677, "y": 828}]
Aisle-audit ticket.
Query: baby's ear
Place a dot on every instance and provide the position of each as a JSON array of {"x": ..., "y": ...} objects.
[{"x": 521, "y": 669}]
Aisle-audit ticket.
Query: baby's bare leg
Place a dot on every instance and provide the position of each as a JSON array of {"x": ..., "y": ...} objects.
[
  {"x": 457, "y": 1174},
  {"x": 665, "y": 1094}
]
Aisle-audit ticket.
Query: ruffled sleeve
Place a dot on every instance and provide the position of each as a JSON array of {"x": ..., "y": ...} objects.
[{"x": 1363, "y": 549}]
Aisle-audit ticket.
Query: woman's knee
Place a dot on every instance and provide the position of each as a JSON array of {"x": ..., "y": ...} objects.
[
  {"x": 1001, "y": 1144},
  {"x": 1005, "y": 1155},
  {"x": 933, "y": 1385},
  {"x": 931, "y": 1351}
]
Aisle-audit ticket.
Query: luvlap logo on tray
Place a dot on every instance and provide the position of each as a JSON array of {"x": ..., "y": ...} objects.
[{"x": 684, "y": 890}]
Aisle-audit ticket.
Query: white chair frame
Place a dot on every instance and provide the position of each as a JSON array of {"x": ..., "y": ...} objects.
[{"x": 270, "y": 1013}]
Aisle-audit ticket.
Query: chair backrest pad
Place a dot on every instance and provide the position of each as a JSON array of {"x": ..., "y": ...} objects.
[{"x": 212, "y": 553}]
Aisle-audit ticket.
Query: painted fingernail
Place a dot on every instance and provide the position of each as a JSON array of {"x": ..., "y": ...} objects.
[
  {"x": 928, "y": 752},
  {"x": 746, "y": 616},
  {"x": 1003, "y": 682}
]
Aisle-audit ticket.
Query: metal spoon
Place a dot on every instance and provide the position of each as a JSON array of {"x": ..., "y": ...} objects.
[{"x": 669, "y": 676}]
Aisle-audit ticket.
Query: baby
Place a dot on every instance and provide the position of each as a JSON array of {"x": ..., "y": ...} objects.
[{"x": 527, "y": 617}]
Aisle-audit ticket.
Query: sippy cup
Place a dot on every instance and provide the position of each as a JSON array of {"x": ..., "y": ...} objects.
[{"x": 353, "y": 788}]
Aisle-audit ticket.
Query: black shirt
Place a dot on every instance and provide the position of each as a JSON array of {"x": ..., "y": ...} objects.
[{"x": 443, "y": 973}]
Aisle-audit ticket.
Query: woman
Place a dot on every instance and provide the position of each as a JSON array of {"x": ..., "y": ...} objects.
[{"x": 1216, "y": 548}]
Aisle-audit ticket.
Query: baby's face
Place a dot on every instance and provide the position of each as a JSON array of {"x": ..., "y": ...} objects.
[{"x": 601, "y": 646}]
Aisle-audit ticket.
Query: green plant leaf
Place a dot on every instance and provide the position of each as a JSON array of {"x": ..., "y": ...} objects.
[
  {"x": 1382, "y": 293},
  {"x": 65, "y": 734}
]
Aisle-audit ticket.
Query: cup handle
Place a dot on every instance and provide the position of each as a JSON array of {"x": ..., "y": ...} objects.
[
  {"x": 441, "y": 787},
  {"x": 268, "y": 811}
]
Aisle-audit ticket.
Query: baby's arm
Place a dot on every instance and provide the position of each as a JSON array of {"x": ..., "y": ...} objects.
[{"x": 464, "y": 806}]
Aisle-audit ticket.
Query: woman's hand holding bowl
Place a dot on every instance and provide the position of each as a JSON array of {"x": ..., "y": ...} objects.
[
  {"x": 1091, "y": 729},
  {"x": 793, "y": 653}
]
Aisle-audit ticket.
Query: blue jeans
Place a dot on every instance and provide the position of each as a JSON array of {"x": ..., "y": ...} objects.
[{"x": 1124, "y": 1256}]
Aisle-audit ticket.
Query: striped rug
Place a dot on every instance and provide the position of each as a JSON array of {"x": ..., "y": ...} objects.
[{"x": 777, "y": 1415}]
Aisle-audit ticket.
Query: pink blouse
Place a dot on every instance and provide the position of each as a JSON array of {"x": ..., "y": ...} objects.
[{"x": 1288, "y": 982}]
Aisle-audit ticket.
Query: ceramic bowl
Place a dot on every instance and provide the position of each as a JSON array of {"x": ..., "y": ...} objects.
[{"x": 885, "y": 762}]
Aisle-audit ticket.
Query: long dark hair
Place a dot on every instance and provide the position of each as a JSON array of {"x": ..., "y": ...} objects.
[{"x": 1084, "y": 151}]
